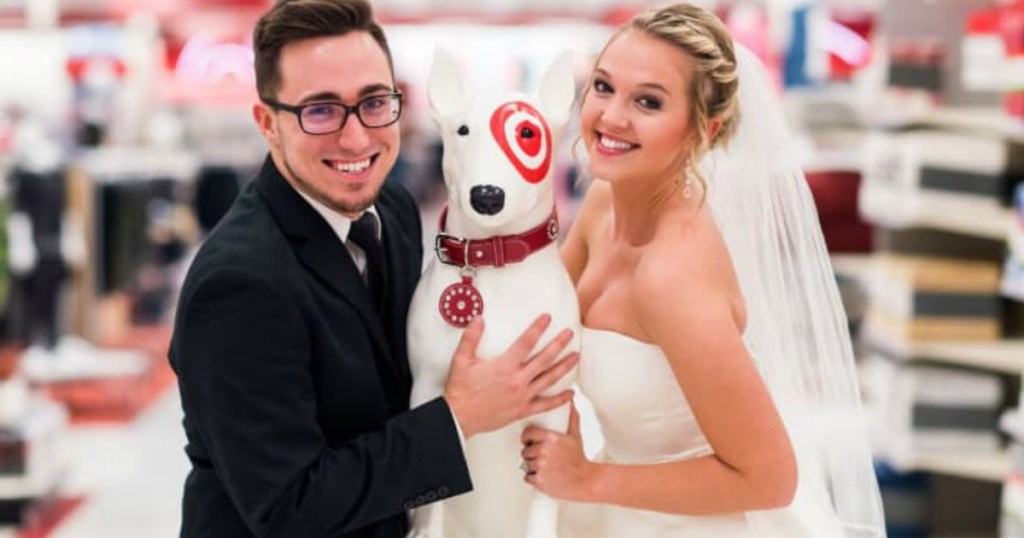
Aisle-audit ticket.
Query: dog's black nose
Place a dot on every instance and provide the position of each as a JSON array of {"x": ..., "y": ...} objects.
[{"x": 487, "y": 199}]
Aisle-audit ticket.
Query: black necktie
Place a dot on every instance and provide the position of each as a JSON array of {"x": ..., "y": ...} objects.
[{"x": 364, "y": 233}]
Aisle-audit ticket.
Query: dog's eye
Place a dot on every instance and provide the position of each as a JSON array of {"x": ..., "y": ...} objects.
[
  {"x": 463, "y": 130},
  {"x": 526, "y": 132}
]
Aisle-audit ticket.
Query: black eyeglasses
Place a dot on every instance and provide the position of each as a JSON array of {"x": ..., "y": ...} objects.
[{"x": 328, "y": 117}]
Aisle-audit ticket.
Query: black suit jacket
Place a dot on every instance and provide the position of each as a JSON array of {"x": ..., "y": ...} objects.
[{"x": 295, "y": 392}]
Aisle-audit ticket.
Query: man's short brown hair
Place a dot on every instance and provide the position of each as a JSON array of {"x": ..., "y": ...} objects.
[{"x": 294, "y": 20}]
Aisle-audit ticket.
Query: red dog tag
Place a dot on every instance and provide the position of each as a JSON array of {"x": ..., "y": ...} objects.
[{"x": 461, "y": 302}]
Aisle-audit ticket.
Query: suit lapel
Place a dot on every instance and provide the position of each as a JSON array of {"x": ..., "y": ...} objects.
[
  {"x": 323, "y": 254},
  {"x": 397, "y": 247}
]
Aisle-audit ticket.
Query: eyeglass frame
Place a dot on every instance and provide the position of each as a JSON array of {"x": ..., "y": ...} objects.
[{"x": 349, "y": 110}]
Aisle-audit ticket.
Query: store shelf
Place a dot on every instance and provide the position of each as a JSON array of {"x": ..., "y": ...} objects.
[
  {"x": 1005, "y": 356},
  {"x": 976, "y": 119},
  {"x": 992, "y": 121},
  {"x": 992, "y": 467},
  {"x": 889, "y": 208},
  {"x": 986, "y": 224},
  {"x": 855, "y": 266}
]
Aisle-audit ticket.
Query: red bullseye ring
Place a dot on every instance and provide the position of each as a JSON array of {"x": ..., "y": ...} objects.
[{"x": 524, "y": 137}]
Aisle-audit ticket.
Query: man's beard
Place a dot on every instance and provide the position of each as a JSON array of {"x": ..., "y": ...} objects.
[{"x": 355, "y": 208}]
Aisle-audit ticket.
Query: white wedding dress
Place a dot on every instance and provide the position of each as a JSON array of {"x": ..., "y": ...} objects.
[{"x": 644, "y": 418}]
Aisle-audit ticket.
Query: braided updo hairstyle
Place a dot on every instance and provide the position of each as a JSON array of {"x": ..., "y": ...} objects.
[{"x": 713, "y": 85}]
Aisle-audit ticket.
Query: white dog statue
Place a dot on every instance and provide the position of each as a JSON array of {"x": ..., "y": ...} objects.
[{"x": 496, "y": 256}]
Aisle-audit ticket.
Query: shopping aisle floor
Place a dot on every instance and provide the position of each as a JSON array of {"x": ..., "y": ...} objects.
[{"x": 131, "y": 475}]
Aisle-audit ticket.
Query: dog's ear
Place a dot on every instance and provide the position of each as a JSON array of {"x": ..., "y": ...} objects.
[
  {"x": 444, "y": 90},
  {"x": 558, "y": 90}
]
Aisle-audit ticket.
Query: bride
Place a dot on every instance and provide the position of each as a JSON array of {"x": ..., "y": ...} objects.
[{"x": 715, "y": 351}]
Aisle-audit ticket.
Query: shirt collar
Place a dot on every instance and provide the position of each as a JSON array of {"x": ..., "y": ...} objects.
[{"x": 338, "y": 222}]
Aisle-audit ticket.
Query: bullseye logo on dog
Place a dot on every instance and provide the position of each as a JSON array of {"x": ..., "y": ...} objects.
[{"x": 524, "y": 137}]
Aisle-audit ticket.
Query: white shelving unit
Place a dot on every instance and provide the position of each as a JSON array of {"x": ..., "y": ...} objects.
[
  {"x": 991, "y": 121},
  {"x": 1005, "y": 356},
  {"x": 985, "y": 224},
  {"x": 939, "y": 211},
  {"x": 896, "y": 207},
  {"x": 992, "y": 467}
]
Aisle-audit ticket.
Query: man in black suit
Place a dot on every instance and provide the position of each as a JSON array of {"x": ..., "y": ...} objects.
[{"x": 292, "y": 370}]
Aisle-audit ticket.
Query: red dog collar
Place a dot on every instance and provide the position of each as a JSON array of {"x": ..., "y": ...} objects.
[{"x": 497, "y": 250}]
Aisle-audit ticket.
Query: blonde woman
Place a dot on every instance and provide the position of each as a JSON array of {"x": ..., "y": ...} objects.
[{"x": 714, "y": 351}]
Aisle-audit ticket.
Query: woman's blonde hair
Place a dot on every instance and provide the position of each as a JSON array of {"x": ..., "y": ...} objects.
[{"x": 713, "y": 85}]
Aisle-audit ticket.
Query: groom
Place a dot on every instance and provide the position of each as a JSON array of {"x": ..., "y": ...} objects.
[{"x": 289, "y": 341}]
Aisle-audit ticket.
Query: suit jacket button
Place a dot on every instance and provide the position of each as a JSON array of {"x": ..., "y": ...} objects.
[
  {"x": 431, "y": 496},
  {"x": 408, "y": 505},
  {"x": 442, "y": 491},
  {"x": 421, "y": 500}
]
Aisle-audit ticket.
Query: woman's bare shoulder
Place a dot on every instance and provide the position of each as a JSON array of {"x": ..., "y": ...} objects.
[
  {"x": 687, "y": 251},
  {"x": 688, "y": 274}
]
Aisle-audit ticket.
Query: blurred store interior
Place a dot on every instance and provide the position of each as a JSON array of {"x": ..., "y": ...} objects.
[{"x": 126, "y": 131}]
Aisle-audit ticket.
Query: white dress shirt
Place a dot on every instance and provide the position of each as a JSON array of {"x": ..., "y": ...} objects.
[{"x": 341, "y": 226}]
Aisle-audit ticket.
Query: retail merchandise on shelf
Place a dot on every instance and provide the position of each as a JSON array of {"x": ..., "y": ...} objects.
[
  {"x": 1013, "y": 269},
  {"x": 943, "y": 348}
]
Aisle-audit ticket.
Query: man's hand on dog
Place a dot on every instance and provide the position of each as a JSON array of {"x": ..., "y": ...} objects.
[{"x": 486, "y": 395}]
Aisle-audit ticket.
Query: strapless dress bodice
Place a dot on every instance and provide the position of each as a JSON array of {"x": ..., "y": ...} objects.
[
  {"x": 644, "y": 415},
  {"x": 645, "y": 418}
]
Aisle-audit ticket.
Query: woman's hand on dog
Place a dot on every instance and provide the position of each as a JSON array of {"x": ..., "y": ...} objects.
[{"x": 555, "y": 463}]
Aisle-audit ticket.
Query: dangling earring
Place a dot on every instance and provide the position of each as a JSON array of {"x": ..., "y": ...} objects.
[{"x": 688, "y": 187}]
